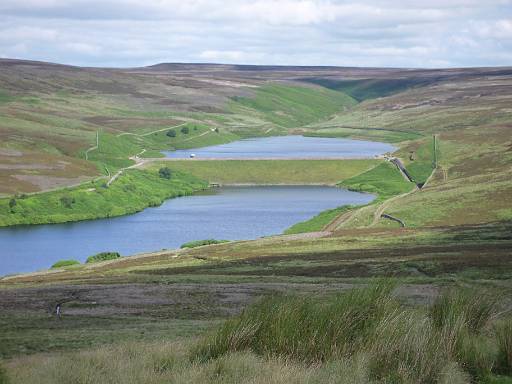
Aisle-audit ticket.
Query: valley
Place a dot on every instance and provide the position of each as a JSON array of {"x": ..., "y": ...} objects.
[{"x": 66, "y": 131}]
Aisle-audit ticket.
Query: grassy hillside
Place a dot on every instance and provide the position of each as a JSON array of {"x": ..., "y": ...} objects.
[
  {"x": 114, "y": 151},
  {"x": 366, "y": 89},
  {"x": 474, "y": 157},
  {"x": 132, "y": 192},
  {"x": 48, "y": 123},
  {"x": 419, "y": 159},
  {"x": 383, "y": 135},
  {"x": 318, "y": 222},
  {"x": 383, "y": 180},
  {"x": 292, "y": 106}
]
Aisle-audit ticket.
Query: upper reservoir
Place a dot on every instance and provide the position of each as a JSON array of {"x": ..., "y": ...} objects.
[
  {"x": 226, "y": 213},
  {"x": 288, "y": 147}
]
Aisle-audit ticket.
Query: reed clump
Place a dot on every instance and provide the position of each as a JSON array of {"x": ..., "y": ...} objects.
[{"x": 453, "y": 338}]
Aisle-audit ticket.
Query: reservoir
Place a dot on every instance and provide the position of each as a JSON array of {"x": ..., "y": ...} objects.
[
  {"x": 231, "y": 213},
  {"x": 288, "y": 147}
]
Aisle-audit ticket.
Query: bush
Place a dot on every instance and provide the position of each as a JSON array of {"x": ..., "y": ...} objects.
[
  {"x": 185, "y": 130},
  {"x": 67, "y": 201},
  {"x": 171, "y": 133},
  {"x": 103, "y": 256},
  {"x": 199, "y": 243},
  {"x": 165, "y": 173},
  {"x": 65, "y": 263}
]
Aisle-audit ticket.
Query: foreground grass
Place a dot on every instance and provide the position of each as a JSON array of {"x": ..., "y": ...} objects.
[
  {"x": 365, "y": 335},
  {"x": 402, "y": 345},
  {"x": 131, "y": 192},
  {"x": 273, "y": 171},
  {"x": 142, "y": 363}
]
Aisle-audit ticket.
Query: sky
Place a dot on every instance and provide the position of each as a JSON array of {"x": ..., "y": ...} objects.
[{"x": 386, "y": 33}]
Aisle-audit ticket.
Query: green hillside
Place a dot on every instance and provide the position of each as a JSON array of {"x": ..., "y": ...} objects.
[{"x": 292, "y": 106}]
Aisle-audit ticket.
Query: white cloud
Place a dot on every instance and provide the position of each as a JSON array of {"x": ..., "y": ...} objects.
[
  {"x": 315, "y": 32},
  {"x": 501, "y": 29}
]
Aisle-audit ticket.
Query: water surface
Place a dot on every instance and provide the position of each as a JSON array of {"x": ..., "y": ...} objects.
[
  {"x": 231, "y": 213},
  {"x": 288, "y": 147}
]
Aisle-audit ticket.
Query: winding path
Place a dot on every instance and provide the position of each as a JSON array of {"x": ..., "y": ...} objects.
[
  {"x": 343, "y": 218},
  {"x": 150, "y": 133},
  {"x": 94, "y": 147},
  {"x": 381, "y": 208},
  {"x": 138, "y": 162},
  {"x": 195, "y": 137}
]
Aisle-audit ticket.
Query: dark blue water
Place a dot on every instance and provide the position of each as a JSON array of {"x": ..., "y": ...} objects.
[
  {"x": 230, "y": 213},
  {"x": 288, "y": 147}
]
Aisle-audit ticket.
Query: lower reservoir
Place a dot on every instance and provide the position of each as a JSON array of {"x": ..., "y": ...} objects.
[{"x": 231, "y": 213}]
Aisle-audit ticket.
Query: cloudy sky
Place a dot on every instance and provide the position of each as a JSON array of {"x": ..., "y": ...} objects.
[{"x": 385, "y": 33}]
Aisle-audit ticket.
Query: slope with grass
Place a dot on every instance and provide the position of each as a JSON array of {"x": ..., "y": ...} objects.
[
  {"x": 132, "y": 192},
  {"x": 384, "y": 180},
  {"x": 318, "y": 222},
  {"x": 470, "y": 118},
  {"x": 52, "y": 113},
  {"x": 288, "y": 106}
]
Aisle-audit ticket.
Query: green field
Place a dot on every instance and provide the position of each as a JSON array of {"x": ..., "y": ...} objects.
[{"x": 272, "y": 171}]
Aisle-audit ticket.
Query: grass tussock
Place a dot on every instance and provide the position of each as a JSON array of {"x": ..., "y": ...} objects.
[
  {"x": 303, "y": 328},
  {"x": 503, "y": 331},
  {"x": 451, "y": 341},
  {"x": 3, "y": 375},
  {"x": 474, "y": 310}
]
